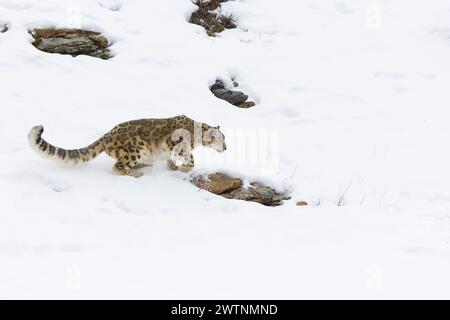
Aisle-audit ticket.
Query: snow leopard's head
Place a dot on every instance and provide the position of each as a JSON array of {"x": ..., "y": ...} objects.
[{"x": 214, "y": 138}]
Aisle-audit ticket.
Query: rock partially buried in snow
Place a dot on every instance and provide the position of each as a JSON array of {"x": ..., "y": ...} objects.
[
  {"x": 232, "y": 188},
  {"x": 246, "y": 105},
  {"x": 3, "y": 28},
  {"x": 217, "y": 183},
  {"x": 217, "y": 86},
  {"x": 257, "y": 192},
  {"x": 72, "y": 41},
  {"x": 207, "y": 16},
  {"x": 236, "y": 98},
  {"x": 233, "y": 97}
]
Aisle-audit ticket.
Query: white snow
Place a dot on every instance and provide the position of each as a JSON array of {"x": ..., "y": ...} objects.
[{"x": 351, "y": 95}]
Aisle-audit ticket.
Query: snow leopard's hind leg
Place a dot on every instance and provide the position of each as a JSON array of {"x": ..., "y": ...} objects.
[{"x": 126, "y": 168}]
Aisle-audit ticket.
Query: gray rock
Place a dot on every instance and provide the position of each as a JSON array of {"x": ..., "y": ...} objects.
[
  {"x": 233, "y": 97},
  {"x": 218, "y": 85},
  {"x": 237, "y": 98},
  {"x": 257, "y": 192},
  {"x": 72, "y": 41},
  {"x": 3, "y": 28}
]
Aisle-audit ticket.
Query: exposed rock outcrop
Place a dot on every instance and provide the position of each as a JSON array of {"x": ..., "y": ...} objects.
[
  {"x": 72, "y": 41},
  {"x": 217, "y": 183},
  {"x": 232, "y": 188},
  {"x": 3, "y": 28},
  {"x": 209, "y": 17},
  {"x": 236, "y": 98}
]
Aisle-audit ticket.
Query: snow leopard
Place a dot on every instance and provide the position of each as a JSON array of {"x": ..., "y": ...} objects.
[{"x": 138, "y": 143}]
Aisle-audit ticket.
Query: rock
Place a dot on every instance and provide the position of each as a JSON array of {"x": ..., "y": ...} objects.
[
  {"x": 237, "y": 98},
  {"x": 218, "y": 85},
  {"x": 207, "y": 16},
  {"x": 257, "y": 192},
  {"x": 234, "y": 97},
  {"x": 3, "y": 28},
  {"x": 72, "y": 41},
  {"x": 231, "y": 188},
  {"x": 247, "y": 105},
  {"x": 209, "y": 4},
  {"x": 217, "y": 183},
  {"x": 302, "y": 203}
]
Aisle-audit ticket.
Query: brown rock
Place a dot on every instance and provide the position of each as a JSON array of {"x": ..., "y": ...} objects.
[
  {"x": 247, "y": 105},
  {"x": 231, "y": 188},
  {"x": 207, "y": 16},
  {"x": 302, "y": 203},
  {"x": 217, "y": 183},
  {"x": 64, "y": 33}
]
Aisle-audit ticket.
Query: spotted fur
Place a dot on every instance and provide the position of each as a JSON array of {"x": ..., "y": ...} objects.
[{"x": 139, "y": 143}]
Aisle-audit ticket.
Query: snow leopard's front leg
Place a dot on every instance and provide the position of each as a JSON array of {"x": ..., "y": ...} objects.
[
  {"x": 184, "y": 163},
  {"x": 188, "y": 166}
]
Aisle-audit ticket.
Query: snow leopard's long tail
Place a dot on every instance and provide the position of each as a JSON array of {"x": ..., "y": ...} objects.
[{"x": 70, "y": 157}]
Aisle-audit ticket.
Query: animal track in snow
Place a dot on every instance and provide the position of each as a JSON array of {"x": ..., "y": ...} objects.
[{"x": 112, "y": 5}]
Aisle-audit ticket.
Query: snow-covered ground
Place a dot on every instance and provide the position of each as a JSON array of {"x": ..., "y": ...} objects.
[{"x": 352, "y": 99}]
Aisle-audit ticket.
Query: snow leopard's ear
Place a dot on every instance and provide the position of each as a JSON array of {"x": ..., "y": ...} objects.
[{"x": 218, "y": 127}]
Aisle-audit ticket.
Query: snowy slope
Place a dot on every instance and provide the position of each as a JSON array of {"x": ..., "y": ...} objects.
[{"x": 352, "y": 94}]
